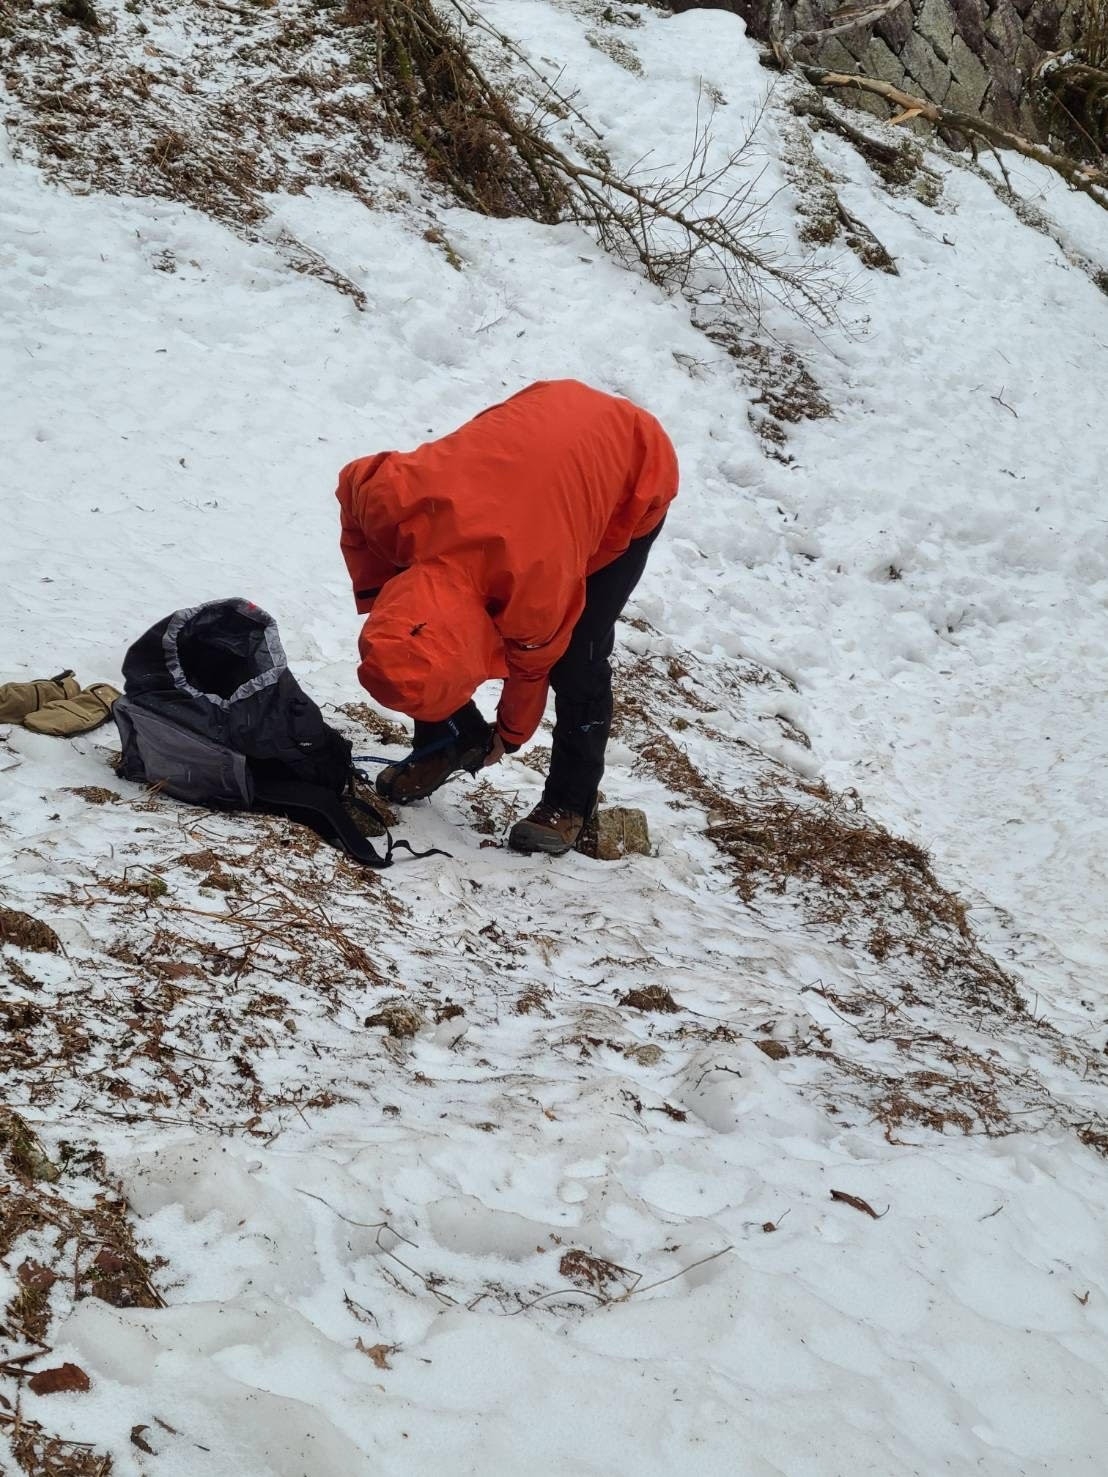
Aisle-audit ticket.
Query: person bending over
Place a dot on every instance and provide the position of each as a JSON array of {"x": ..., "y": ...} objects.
[{"x": 506, "y": 550}]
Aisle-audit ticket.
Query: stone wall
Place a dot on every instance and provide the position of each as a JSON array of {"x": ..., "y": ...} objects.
[{"x": 976, "y": 56}]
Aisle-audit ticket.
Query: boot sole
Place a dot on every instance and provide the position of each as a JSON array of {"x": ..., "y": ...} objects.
[
  {"x": 544, "y": 846},
  {"x": 470, "y": 762}
]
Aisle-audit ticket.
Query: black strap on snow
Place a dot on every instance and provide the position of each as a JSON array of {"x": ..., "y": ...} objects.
[{"x": 323, "y": 811}]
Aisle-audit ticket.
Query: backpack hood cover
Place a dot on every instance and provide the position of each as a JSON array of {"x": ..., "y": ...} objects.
[
  {"x": 211, "y": 711},
  {"x": 220, "y": 642}
]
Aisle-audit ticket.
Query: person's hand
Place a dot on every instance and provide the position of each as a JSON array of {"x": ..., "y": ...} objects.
[{"x": 496, "y": 752}]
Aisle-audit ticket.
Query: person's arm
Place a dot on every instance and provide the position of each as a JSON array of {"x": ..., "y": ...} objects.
[
  {"x": 368, "y": 570},
  {"x": 522, "y": 703},
  {"x": 530, "y": 662}
]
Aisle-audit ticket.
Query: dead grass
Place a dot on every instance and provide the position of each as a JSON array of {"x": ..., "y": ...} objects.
[
  {"x": 490, "y": 812},
  {"x": 877, "y": 890},
  {"x": 651, "y": 998},
  {"x": 786, "y": 391},
  {"x": 532, "y": 1002},
  {"x": 258, "y": 101},
  {"x": 42, "y": 1455},
  {"x": 376, "y": 726},
  {"x": 400, "y": 1018},
  {"x": 24, "y": 932},
  {"x": 23, "y": 1152},
  {"x": 932, "y": 990},
  {"x": 94, "y": 794},
  {"x": 69, "y": 1233}
]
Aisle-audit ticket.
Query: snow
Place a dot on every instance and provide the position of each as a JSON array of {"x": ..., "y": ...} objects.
[{"x": 172, "y": 436}]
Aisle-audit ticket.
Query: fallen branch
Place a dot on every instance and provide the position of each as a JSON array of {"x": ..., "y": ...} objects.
[
  {"x": 849, "y": 18},
  {"x": 1087, "y": 178},
  {"x": 696, "y": 222}
]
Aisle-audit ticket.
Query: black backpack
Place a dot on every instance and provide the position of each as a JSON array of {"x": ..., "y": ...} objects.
[{"x": 211, "y": 714}]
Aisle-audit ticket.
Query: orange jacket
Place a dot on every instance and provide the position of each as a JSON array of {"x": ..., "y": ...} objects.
[{"x": 470, "y": 553}]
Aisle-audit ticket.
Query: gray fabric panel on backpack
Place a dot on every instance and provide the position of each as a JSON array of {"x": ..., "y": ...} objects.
[
  {"x": 278, "y": 662},
  {"x": 185, "y": 765}
]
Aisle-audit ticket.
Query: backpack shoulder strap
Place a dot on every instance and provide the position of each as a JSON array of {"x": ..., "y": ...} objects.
[{"x": 322, "y": 810}]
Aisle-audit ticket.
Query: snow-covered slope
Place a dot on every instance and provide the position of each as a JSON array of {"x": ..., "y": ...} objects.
[{"x": 552, "y": 1230}]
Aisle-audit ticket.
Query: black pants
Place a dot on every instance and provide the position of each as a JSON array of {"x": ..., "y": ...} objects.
[{"x": 582, "y": 684}]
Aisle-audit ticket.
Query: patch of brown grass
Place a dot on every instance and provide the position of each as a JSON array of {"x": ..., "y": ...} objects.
[
  {"x": 376, "y": 725},
  {"x": 84, "y": 1247},
  {"x": 651, "y": 998},
  {"x": 94, "y": 794},
  {"x": 25, "y": 932},
  {"x": 261, "y": 104},
  {"x": 532, "y": 1002}
]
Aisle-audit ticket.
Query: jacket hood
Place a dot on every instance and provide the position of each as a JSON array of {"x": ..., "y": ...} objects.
[{"x": 428, "y": 644}]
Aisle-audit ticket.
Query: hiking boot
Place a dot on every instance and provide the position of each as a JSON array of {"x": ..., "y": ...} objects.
[
  {"x": 18, "y": 699},
  {"x": 417, "y": 777},
  {"x": 547, "y": 829}
]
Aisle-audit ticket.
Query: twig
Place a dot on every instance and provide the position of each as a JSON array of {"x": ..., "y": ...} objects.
[
  {"x": 650, "y": 1286},
  {"x": 365, "y": 1225},
  {"x": 1000, "y": 401},
  {"x": 859, "y": 1204}
]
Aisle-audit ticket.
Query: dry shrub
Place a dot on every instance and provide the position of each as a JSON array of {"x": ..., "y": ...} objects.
[
  {"x": 465, "y": 125},
  {"x": 1093, "y": 41},
  {"x": 437, "y": 98},
  {"x": 1094, "y": 1135}
]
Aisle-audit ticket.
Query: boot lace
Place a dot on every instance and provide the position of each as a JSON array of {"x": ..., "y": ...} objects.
[{"x": 551, "y": 815}]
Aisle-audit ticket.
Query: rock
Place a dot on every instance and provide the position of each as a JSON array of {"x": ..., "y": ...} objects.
[
  {"x": 970, "y": 80},
  {"x": 936, "y": 25},
  {"x": 647, "y": 1055},
  {"x": 1004, "y": 28},
  {"x": 617, "y": 831},
  {"x": 880, "y": 62},
  {"x": 969, "y": 22},
  {"x": 927, "y": 75},
  {"x": 398, "y": 1018},
  {"x": 833, "y": 55},
  {"x": 895, "y": 27}
]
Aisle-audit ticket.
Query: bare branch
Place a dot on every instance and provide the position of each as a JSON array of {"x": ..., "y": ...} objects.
[
  {"x": 849, "y": 18},
  {"x": 1089, "y": 179}
]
